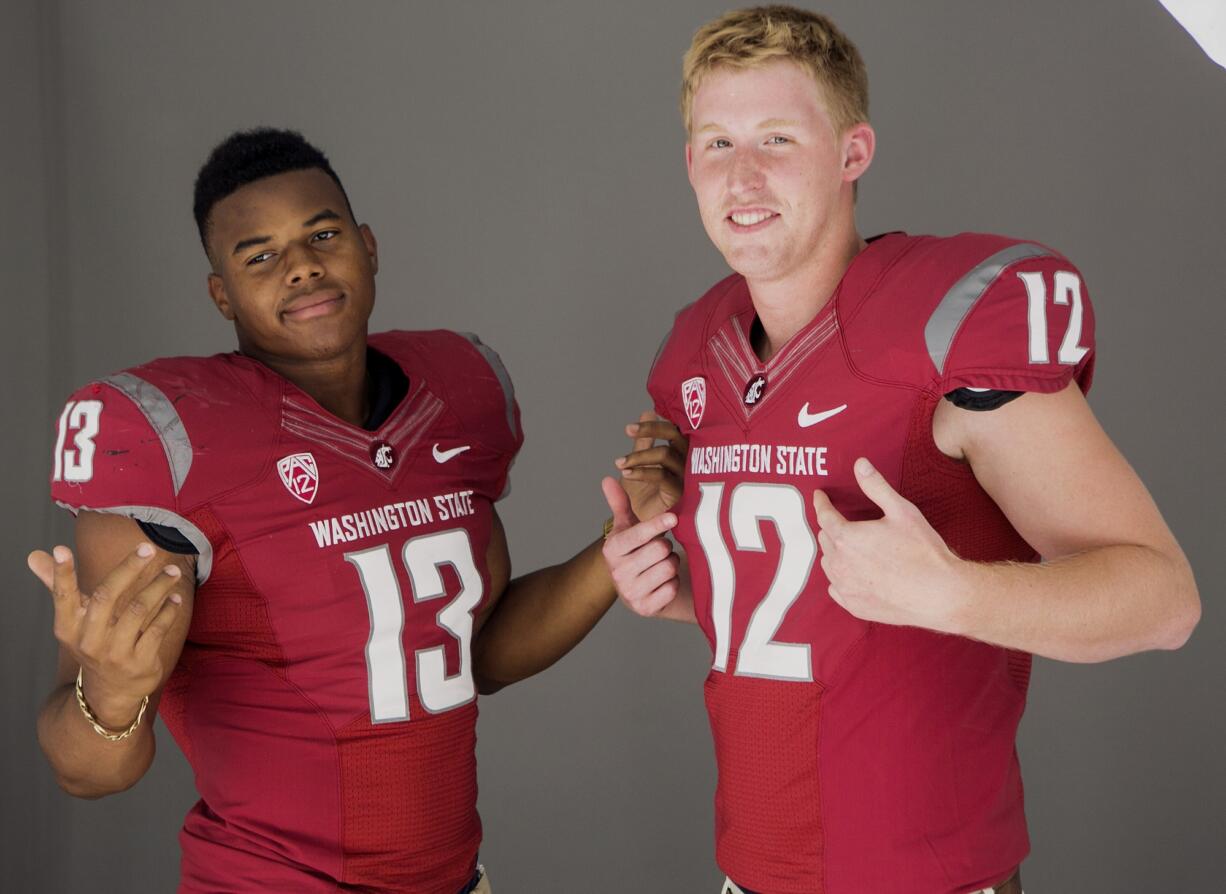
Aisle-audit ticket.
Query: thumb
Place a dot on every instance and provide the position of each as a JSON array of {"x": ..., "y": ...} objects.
[
  {"x": 877, "y": 489},
  {"x": 43, "y": 566},
  {"x": 619, "y": 504}
]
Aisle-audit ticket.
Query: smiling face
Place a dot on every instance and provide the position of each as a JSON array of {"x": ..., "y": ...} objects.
[
  {"x": 291, "y": 268},
  {"x": 772, "y": 177}
]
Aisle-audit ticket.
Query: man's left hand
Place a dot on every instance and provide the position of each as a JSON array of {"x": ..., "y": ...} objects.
[{"x": 893, "y": 570}]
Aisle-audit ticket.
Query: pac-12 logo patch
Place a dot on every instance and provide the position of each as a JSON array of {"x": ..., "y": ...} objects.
[
  {"x": 694, "y": 396},
  {"x": 300, "y": 476}
]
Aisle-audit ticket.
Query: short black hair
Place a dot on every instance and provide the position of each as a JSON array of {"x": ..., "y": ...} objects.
[{"x": 249, "y": 155}]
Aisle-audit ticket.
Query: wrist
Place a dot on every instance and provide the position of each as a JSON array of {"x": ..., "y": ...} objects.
[
  {"x": 115, "y": 711},
  {"x": 965, "y": 587}
]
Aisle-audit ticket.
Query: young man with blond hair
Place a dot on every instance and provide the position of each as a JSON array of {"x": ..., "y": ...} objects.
[{"x": 895, "y": 494}]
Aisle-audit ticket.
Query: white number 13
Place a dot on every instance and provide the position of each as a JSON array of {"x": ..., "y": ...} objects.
[{"x": 385, "y": 660}]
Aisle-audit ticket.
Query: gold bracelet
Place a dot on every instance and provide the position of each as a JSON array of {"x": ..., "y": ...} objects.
[
  {"x": 98, "y": 727},
  {"x": 608, "y": 528}
]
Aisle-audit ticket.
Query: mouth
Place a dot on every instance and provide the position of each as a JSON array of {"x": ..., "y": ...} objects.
[
  {"x": 314, "y": 304},
  {"x": 750, "y": 220}
]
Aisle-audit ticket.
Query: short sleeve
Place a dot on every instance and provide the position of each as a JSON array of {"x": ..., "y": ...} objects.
[
  {"x": 109, "y": 453},
  {"x": 1015, "y": 323},
  {"x": 660, "y": 384},
  {"x": 121, "y": 448},
  {"x": 491, "y": 397}
]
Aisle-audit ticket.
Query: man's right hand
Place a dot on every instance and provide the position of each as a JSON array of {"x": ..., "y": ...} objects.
[
  {"x": 115, "y": 632},
  {"x": 641, "y": 559}
]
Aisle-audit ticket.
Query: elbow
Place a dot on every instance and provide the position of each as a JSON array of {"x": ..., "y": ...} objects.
[
  {"x": 485, "y": 675},
  {"x": 486, "y": 686},
  {"x": 90, "y": 781},
  {"x": 92, "y": 789},
  {"x": 1186, "y": 610}
]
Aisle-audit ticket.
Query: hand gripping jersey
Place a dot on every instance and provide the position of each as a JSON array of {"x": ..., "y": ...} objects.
[
  {"x": 324, "y": 696},
  {"x": 856, "y": 757}
]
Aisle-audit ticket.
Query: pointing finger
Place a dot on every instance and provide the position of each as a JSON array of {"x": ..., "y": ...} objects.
[
  {"x": 877, "y": 489},
  {"x": 828, "y": 518},
  {"x": 623, "y": 543}
]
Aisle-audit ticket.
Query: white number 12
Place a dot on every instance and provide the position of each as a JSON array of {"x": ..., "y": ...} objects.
[
  {"x": 1065, "y": 288},
  {"x": 752, "y": 504}
]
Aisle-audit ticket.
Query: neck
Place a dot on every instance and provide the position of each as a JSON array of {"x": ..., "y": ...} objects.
[
  {"x": 787, "y": 304},
  {"x": 338, "y": 383}
]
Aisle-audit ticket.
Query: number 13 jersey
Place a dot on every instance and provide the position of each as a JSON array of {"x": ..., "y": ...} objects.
[
  {"x": 324, "y": 696},
  {"x": 857, "y": 757}
]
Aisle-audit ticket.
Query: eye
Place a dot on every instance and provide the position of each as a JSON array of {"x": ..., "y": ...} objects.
[
  {"x": 777, "y": 140},
  {"x": 325, "y": 235},
  {"x": 259, "y": 259},
  {"x": 719, "y": 143}
]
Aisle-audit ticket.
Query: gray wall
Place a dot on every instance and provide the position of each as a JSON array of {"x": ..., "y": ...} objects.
[{"x": 522, "y": 167}]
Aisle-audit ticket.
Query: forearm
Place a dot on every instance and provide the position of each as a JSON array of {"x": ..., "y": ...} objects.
[
  {"x": 1094, "y": 606},
  {"x": 541, "y": 617},
  {"x": 85, "y": 764}
]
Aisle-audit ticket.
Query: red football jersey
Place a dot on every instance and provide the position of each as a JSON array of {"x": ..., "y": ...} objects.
[
  {"x": 324, "y": 696},
  {"x": 857, "y": 757}
]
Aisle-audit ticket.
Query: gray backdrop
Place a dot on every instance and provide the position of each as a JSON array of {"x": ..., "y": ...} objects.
[{"x": 522, "y": 167}]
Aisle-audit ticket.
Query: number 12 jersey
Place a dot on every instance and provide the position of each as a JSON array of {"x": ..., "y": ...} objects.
[{"x": 852, "y": 756}]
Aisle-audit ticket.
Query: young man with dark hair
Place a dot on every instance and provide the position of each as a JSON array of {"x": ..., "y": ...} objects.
[
  {"x": 872, "y": 624},
  {"x": 292, "y": 552}
]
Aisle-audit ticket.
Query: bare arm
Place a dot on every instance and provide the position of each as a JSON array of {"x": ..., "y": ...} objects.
[
  {"x": 118, "y": 622},
  {"x": 543, "y": 615},
  {"x": 535, "y": 619},
  {"x": 1113, "y": 581}
]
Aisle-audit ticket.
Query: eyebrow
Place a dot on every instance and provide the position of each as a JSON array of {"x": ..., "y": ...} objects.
[
  {"x": 326, "y": 214},
  {"x": 768, "y": 124}
]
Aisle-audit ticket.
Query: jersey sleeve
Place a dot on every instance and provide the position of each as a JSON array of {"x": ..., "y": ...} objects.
[
  {"x": 660, "y": 381},
  {"x": 1019, "y": 321},
  {"x": 121, "y": 448},
  {"x": 489, "y": 401}
]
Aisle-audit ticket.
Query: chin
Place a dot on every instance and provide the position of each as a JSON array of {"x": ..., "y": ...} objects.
[{"x": 754, "y": 262}]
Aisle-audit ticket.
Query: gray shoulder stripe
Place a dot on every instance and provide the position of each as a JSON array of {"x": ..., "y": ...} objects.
[
  {"x": 165, "y": 420},
  {"x": 504, "y": 378},
  {"x": 154, "y": 515},
  {"x": 945, "y": 321}
]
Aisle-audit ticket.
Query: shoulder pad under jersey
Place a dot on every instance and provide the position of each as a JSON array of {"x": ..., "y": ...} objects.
[{"x": 977, "y": 311}]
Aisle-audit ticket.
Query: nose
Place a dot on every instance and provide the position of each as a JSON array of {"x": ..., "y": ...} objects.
[
  {"x": 302, "y": 265},
  {"x": 745, "y": 175}
]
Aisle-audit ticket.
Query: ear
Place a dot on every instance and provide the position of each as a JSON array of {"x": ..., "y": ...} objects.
[
  {"x": 689, "y": 161},
  {"x": 372, "y": 247},
  {"x": 217, "y": 291},
  {"x": 859, "y": 144}
]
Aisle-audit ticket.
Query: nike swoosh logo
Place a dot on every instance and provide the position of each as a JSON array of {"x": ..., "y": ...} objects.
[
  {"x": 804, "y": 418},
  {"x": 441, "y": 456}
]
